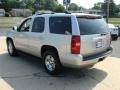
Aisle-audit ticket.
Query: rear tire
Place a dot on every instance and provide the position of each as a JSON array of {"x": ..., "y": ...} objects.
[
  {"x": 11, "y": 48},
  {"x": 116, "y": 38},
  {"x": 52, "y": 63}
]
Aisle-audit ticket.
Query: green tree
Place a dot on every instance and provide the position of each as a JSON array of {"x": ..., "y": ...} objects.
[
  {"x": 118, "y": 6},
  {"x": 13, "y": 3},
  {"x": 59, "y": 8},
  {"x": 113, "y": 9},
  {"x": 4, "y": 4},
  {"x": 73, "y": 7},
  {"x": 34, "y": 5},
  {"x": 30, "y": 4},
  {"x": 9, "y": 4},
  {"x": 98, "y": 6},
  {"x": 50, "y": 4},
  {"x": 47, "y": 4}
]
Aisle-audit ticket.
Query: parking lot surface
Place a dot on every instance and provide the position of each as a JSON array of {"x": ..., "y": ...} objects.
[{"x": 26, "y": 72}]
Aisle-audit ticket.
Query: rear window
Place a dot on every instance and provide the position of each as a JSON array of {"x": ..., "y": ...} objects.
[
  {"x": 92, "y": 26},
  {"x": 60, "y": 25}
]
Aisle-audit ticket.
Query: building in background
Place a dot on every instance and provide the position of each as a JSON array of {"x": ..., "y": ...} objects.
[
  {"x": 21, "y": 12},
  {"x": 90, "y": 11},
  {"x": 2, "y": 12},
  {"x": 93, "y": 11}
]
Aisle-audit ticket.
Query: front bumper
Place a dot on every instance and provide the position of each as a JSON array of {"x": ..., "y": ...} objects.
[{"x": 79, "y": 61}]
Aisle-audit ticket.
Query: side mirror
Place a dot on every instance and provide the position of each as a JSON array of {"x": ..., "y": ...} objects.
[{"x": 15, "y": 28}]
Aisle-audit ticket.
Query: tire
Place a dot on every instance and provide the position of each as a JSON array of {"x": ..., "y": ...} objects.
[
  {"x": 116, "y": 38},
  {"x": 52, "y": 63},
  {"x": 11, "y": 48}
]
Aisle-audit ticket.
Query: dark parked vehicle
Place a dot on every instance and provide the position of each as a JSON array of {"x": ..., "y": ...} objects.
[{"x": 119, "y": 30}]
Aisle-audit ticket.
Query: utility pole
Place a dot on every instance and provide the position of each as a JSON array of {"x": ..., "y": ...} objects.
[{"x": 107, "y": 11}]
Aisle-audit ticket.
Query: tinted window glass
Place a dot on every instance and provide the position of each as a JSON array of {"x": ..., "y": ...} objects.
[
  {"x": 38, "y": 24},
  {"x": 60, "y": 25},
  {"x": 92, "y": 26}
]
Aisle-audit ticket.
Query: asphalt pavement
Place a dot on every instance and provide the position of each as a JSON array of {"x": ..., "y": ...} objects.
[{"x": 26, "y": 72}]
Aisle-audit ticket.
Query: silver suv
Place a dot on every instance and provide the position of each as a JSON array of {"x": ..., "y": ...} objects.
[{"x": 62, "y": 39}]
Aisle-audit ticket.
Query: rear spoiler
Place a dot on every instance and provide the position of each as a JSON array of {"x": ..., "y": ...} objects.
[{"x": 90, "y": 17}]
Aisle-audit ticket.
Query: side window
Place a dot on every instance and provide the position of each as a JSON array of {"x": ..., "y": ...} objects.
[
  {"x": 60, "y": 25},
  {"x": 25, "y": 26},
  {"x": 38, "y": 24}
]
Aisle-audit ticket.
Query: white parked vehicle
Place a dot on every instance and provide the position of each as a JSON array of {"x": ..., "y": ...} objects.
[
  {"x": 114, "y": 31},
  {"x": 118, "y": 29},
  {"x": 62, "y": 39}
]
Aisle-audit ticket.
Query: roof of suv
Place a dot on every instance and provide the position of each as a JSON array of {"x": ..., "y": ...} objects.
[{"x": 67, "y": 14}]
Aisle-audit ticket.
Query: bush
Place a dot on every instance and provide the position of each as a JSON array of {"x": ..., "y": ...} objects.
[{"x": 59, "y": 8}]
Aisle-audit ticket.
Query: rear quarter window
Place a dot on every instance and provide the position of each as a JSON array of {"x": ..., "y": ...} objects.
[
  {"x": 60, "y": 25},
  {"x": 92, "y": 26}
]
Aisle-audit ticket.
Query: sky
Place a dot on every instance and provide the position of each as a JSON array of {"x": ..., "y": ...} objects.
[{"x": 87, "y": 3}]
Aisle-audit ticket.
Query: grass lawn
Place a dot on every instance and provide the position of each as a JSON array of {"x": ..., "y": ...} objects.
[
  {"x": 115, "y": 21},
  {"x": 6, "y": 22}
]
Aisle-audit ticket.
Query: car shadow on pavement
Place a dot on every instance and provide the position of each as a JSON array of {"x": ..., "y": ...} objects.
[{"x": 29, "y": 67}]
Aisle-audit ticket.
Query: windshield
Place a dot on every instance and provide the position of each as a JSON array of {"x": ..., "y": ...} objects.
[{"x": 92, "y": 26}]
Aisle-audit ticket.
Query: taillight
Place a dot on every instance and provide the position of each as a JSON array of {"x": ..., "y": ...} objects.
[{"x": 75, "y": 44}]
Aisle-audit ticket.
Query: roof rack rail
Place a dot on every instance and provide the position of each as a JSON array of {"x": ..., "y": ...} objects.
[
  {"x": 67, "y": 12},
  {"x": 43, "y": 12},
  {"x": 50, "y": 12}
]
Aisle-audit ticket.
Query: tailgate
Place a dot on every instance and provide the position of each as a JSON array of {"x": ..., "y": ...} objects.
[
  {"x": 95, "y": 37},
  {"x": 93, "y": 44}
]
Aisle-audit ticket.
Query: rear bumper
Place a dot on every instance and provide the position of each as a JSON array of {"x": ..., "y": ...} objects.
[
  {"x": 98, "y": 55},
  {"x": 79, "y": 61}
]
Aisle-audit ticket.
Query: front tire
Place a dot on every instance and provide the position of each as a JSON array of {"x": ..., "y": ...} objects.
[
  {"x": 52, "y": 63},
  {"x": 11, "y": 48}
]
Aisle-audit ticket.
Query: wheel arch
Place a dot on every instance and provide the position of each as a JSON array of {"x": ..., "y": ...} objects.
[
  {"x": 44, "y": 48},
  {"x": 9, "y": 38}
]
